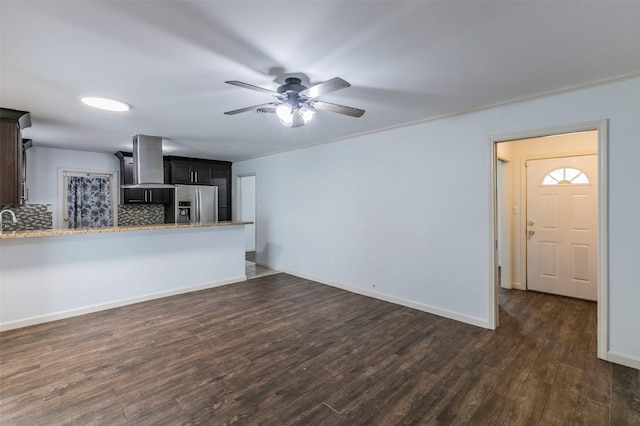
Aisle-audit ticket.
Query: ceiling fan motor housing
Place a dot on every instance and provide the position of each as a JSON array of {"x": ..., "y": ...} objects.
[{"x": 292, "y": 84}]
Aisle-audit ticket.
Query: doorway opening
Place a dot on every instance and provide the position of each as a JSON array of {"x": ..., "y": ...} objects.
[
  {"x": 247, "y": 212},
  {"x": 520, "y": 239}
]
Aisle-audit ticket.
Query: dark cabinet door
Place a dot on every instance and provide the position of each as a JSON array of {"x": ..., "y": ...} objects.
[
  {"x": 158, "y": 196},
  {"x": 221, "y": 177},
  {"x": 133, "y": 196},
  {"x": 180, "y": 172},
  {"x": 190, "y": 172},
  {"x": 126, "y": 170},
  {"x": 12, "y": 176},
  {"x": 129, "y": 196},
  {"x": 149, "y": 196},
  {"x": 201, "y": 173},
  {"x": 137, "y": 195}
]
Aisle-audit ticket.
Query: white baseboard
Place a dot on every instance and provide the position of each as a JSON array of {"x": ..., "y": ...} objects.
[
  {"x": 517, "y": 286},
  {"x": 114, "y": 304},
  {"x": 624, "y": 359},
  {"x": 393, "y": 299}
]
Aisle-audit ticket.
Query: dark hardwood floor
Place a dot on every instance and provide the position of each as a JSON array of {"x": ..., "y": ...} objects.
[{"x": 282, "y": 350}]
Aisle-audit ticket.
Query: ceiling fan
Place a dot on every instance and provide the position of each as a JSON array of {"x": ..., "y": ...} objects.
[{"x": 296, "y": 103}]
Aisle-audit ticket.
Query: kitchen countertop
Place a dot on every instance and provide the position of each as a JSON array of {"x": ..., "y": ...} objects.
[{"x": 109, "y": 229}]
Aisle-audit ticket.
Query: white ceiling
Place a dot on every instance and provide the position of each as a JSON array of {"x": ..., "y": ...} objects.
[{"x": 406, "y": 61}]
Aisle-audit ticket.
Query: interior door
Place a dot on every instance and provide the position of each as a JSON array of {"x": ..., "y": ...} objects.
[{"x": 562, "y": 210}]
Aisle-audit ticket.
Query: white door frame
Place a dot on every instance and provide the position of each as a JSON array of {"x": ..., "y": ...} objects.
[
  {"x": 239, "y": 203},
  {"x": 505, "y": 224},
  {"x": 603, "y": 220},
  {"x": 114, "y": 179}
]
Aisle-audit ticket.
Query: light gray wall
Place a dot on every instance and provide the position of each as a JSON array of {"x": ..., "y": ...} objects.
[
  {"x": 404, "y": 214},
  {"x": 42, "y": 171}
]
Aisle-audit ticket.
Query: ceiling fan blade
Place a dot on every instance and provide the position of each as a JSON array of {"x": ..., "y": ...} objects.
[
  {"x": 251, "y": 108},
  {"x": 328, "y": 86},
  {"x": 340, "y": 109},
  {"x": 252, "y": 87}
]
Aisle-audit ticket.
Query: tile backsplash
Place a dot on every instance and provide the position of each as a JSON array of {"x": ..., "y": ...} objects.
[
  {"x": 40, "y": 216},
  {"x": 140, "y": 214},
  {"x": 30, "y": 217}
]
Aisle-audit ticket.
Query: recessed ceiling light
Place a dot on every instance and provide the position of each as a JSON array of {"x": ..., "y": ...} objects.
[{"x": 105, "y": 103}]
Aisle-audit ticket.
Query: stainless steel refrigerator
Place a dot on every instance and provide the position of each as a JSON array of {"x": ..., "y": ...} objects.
[{"x": 196, "y": 204}]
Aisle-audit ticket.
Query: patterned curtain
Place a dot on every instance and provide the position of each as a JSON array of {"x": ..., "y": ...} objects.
[{"x": 89, "y": 202}]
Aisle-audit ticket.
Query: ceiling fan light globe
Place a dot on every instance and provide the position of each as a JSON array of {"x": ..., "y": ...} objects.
[
  {"x": 306, "y": 114},
  {"x": 284, "y": 112},
  {"x": 288, "y": 123}
]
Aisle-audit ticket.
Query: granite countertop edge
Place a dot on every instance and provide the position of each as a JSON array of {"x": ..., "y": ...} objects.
[{"x": 111, "y": 229}]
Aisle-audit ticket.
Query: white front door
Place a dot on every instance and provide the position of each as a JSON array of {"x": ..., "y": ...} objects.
[{"x": 562, "y": 209}]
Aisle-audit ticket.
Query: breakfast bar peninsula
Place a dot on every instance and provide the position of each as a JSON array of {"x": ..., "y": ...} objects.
[{"x": 47, "y": 275}]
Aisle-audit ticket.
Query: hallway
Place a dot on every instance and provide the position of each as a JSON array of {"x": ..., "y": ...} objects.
[{"x": 253, "y": 270}]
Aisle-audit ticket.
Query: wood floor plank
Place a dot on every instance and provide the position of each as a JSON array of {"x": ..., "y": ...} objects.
[
  {"x": 281, "y": 350},
  {"x": 596, "y": 381},
  {"x": 514, "y": 376},
  {"x": 530, "y": 402},
  {"x": 321, "y": 414},
  {"x": 561, "y": 403},
  {"x": 589, "y": 413},
  {"x": 494, "y": 410},
  {"x": 460, "y": 407},
  {"x": 404, "y": 400},
  {"x": 625, "y": 396}
]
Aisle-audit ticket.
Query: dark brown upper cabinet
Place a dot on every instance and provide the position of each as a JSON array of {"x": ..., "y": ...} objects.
[
  {"x": 13, "y": 182},
  {"x": 190, "y": 172},
  {"x": 138, "y": 195},
  {"x": 197, "y": 171}
]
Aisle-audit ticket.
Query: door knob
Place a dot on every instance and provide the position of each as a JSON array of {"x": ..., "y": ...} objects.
[
  {"x": 531, "y": 232},
  {"x": 530, "y": 223}
]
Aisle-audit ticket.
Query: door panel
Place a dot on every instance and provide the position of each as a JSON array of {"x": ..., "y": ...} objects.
[
  {"x": 581, "y": 213},
  {"x": 549, "y": 212},
  {"x": 549, "y": 259},
  {"x": 580, "y": 264},
  {"x": 562, "y": 226}
]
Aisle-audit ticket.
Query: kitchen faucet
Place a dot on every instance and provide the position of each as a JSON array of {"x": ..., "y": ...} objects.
[{"x": 13, "y": 215}]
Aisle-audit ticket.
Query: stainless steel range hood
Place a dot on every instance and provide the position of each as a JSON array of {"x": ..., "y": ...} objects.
[{"x": 148, "y": 167}]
